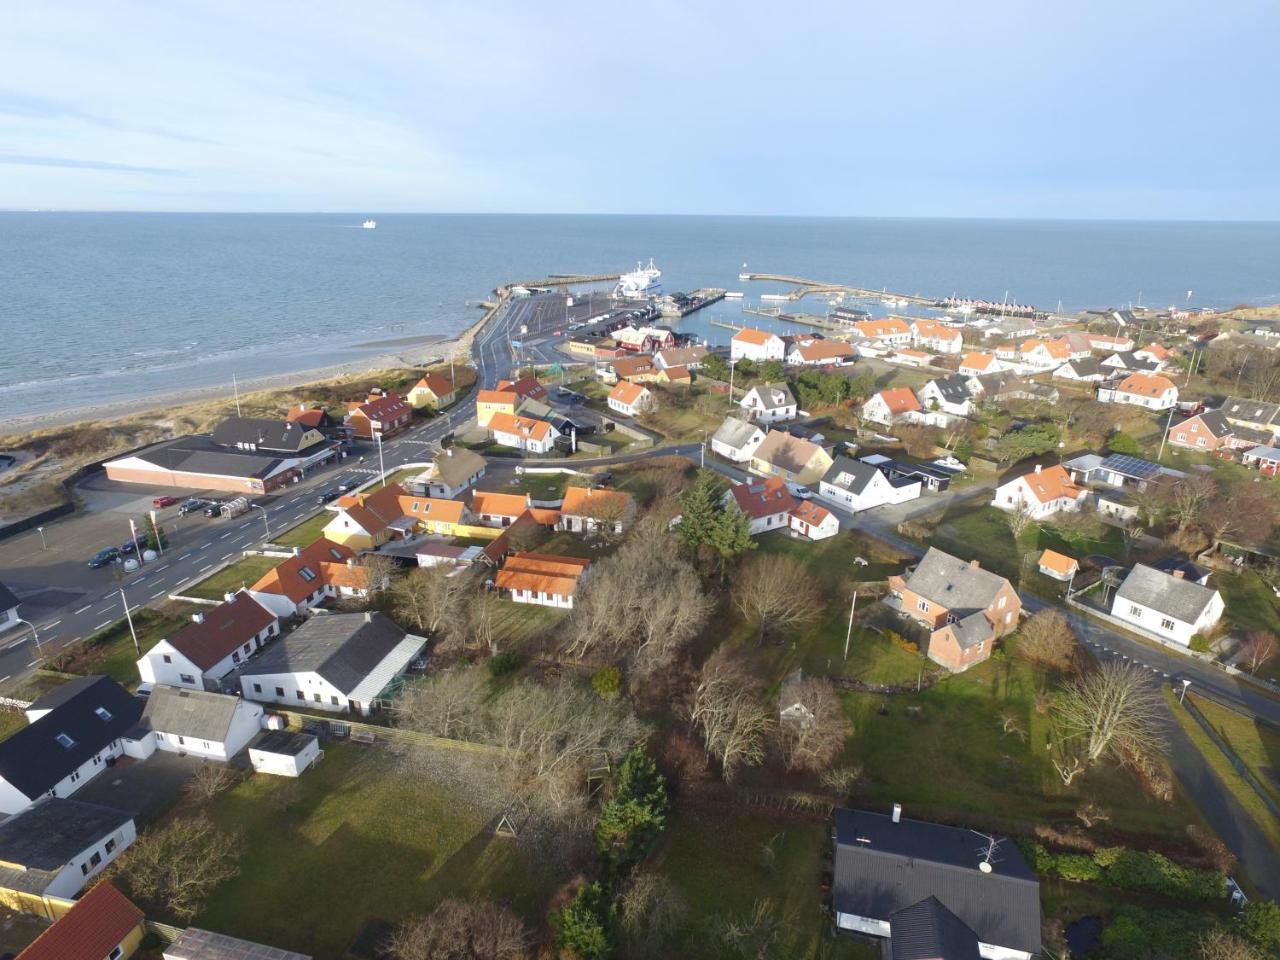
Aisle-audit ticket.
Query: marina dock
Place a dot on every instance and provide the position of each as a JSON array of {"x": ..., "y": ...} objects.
[{"x": 805, "y": 287}]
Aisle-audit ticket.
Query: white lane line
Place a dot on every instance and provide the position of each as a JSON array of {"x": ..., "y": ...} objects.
[
  {"x": 207, "y": 566},
  {"x": 229, "y": 555},
  {"x": 105, "y": 623},
  {"x": 82, "y": 609},
  {"x": 5, "y": 677},
  {"x": 17, "y": 644},
  {"x": 34, "y": 662},
  {"x": 158, "y": 569},
  {"x": 245, "y": 524},
  {"x": 50, "y": 626},
  {"x": 184, "y": 557},
  {"x": 158, "y": 593},
  {"x": 225, "y": 535}
]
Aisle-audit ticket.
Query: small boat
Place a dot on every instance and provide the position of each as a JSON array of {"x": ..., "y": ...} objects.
[
  {"x": 774, "y": 296},
  {"x": 744, "y": 276},
  {"x": 733, "y": 295},
  {"x": 900, "y": 303},
  {"x": 369, "y": 224}
]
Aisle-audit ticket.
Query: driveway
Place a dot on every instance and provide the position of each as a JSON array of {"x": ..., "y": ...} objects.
[{"x": 145, "y": 788}]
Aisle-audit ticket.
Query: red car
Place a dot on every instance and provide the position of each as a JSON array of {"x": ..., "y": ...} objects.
[{"x": 161, "y": 502}]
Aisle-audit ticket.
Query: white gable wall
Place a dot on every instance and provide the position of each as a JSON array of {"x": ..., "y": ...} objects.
[{"x": 75, "y": 876}]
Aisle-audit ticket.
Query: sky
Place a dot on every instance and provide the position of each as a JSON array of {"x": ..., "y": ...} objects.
[{"x": 1122, "y": 109}]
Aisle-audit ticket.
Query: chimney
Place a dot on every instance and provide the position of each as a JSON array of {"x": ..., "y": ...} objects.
[
  {"x": 297, "y": 551},
  {"x": 197, "y": 617},
  {"x": 897, "y": 813},
  {"x": 229, "y": 597},
  {"x": 1179, "y": 574},
  {"x": 974, "y": 565},
  {"x": 368, "y": 616},
  {"x": 1039, "y": 467},
  {"x": 351, "y": 561}
]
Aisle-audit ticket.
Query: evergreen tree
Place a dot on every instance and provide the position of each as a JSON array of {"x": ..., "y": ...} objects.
[
  {"x": 730, "y": 537},
  {"x": 582, "y": 925},
  {"x": 700, "y": 508},
  {"x": 636, "y": 813}
]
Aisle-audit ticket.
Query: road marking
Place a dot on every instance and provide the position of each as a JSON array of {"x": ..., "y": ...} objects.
[
  {"x": 158, "y": 593},
  {"x": 106, "y": 623},
  {"x": 50, "y": 626},
  {"x": 245, "y": 524},
  {"x": 183, "y": 557},
  {"x": 207, "y": 566},
  {"x": 158, "y": 569},
  {"x": 82, "y": 609},
  {"x": 225, "y": 535},
  {"x": 34, "y": 662},
  {"x": 15, "y": 646},
  {"x": 5, "y": 677},
  {"x": 229, "y": 555}
]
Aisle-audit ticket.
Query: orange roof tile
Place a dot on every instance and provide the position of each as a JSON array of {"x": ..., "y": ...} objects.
[
  {"x": 899, "y": 400},
  {"x": 97, "y": 923},
  {"x": 1157, "y": 351},
  {"x": 300, "y": 576},
  {"x": 494, "y": 504},
  {"x": 505, "y": 397},
  {"x": 1051, "y": 483},
  {"x": 528, "y": 427},
  {"x": 585, "y": 501},
  {"x": 439, "y": 385},
  {"x": 926, "y": 327},
  {"x": 380, "y": 407},
  {"x": 811, "y": 512},
  {"x": 1058, "y": 562},
  {"x": 757, "y": 337},
  {"x": 526, "y": 388},
  {"x": 977, "y": 361},
  {"x": 541, "y": 573},
  {"x": 627, "y": 393},
  {"x": 1145, "y": 384},
  {"x": 819, "y": 350},
  {"x": 762, "y": 498},
  {"x": 889, "y": 327}
]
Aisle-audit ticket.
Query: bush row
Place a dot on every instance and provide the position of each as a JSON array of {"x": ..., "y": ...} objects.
[{"x": 1129, "y": 870}]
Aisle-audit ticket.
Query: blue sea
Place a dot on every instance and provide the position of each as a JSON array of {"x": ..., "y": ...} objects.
[{"x": 99, "y": 307}]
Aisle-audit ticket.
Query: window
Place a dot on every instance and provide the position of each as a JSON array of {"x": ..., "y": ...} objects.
[
  {"x": 65, "y": 740},
  {"x": 301, "y": 695},
  {"x": 74, "y": 777},
  {"x": 279, "y": 691},
  {"x": 307, "y": 574},
  {"x": 235, "y": 656},
  {"x": 1166, "y": 624},
  {"x": 116, "y": 953},
  {"x": 103, "y": 714},
  {"x": 333, "y": 700},
  {"x": 182, "y": 741},
  {"x": 246, "y": 648},
  {"x": 1135, "y": 611},
  {"x": 257, "y": 688},
  {"x": 1000, "y": 605},
  {"x": 315, "y": 697},
  {"x": 922, "y": 605},
  {"x": 111, "y": 845},
  {"x": 84, "y": 868},
  {"x": 168, "y": 659},
  {"x": 95, "y": 859},
  {"x": 187, "y": 678}
]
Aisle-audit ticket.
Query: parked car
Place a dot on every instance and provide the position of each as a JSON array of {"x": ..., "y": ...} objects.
[
  {"x": 190, "y": 506},
  {"x": 103, "y": 557},
  {"x": 161, "y": 502},
  {"x": 129, "y": 546},
  {"x": 327, "y": 496},
  {"x": 213, "y": 509}
]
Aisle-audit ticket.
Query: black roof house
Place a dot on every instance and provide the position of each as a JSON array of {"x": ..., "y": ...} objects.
[
  {"x": 80, "y": 724},
  {"x": 929, "y": 931},
  {"x": 886, "y": 864}
]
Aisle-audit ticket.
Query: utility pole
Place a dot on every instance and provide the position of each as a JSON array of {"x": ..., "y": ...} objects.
[
  {"x": 382, "y": 467},
  {"x": 36, "y": 635},
  {"x": 43, "y": 544},
  {"x": 137, "y": 550},
  {"x": 1167, "y": 426},
  {"x": 155, "y": 529},
  {"x": 129, "y": 617},
  {"x": 266, "y": 525},
  {"x": 849, "y": 633}
]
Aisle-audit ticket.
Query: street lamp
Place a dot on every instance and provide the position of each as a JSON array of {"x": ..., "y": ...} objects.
[
  {"x": 1183, "y": 695},
  {"x": 34, "y": 633},
  {"x": 382, "y": 467},
  {"x": 43, "y": 544},
  {"x": 265, "y": 525},
  {"x": 129, "y": 616}
]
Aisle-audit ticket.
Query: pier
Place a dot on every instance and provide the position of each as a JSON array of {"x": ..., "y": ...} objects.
[
  {"x": 705, "y": 297},
  {"x": 807, "y": 287}
]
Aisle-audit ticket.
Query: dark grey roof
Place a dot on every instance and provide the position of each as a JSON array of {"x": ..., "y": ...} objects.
[
  {"x": 929, "y": 931},
  {"x": 62, "y": 693},
  {"x": 1189, "y": 570},
  {"x": 954, "y": 389},
  {"x": 343, "y": 648},
  {"x": 954, "y": 583},
  {"x": 33, "y": 760},
  {"x": 199, "y": 454},
  {"x": 882, "y": 867},
  {"x": 196, "y": 944},
  {"x": 197, "y": 714},
  {"x": 1086, "y": 366},
  {"x": 278, "y": 436},
  {"x": 994, "y": 384},
  {"x": 849, "y": 474},
  {"x": 47, "y": 835},
  {"x": 284, "y": 742},
  {"x": 1251, "y": 411},
  {"x": 972, "y": 630},
  {"x": 1173, "y": 596},
  {"x": 8, "y": 600},
  {"x": 1215, "y": 421},
  {"x": 1133, "y": 362}
]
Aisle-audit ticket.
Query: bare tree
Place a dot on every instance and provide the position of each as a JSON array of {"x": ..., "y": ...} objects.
[
  {"x": 1246, "y": 512},
  {"x": 727, "y": 709},
  {"x": 1187, "y": 498},
  {"x": 642, "y": 604},
  {"x": 446, "y": 704},
  {"x": 378, "y": 571},
  {"x": 1220, "y": 944},
  {"x": 817, "y": 739},
  {"x": 1018, "y": 519},
  {"x": 777, "y": 592},
  {"x": 1113, "y": 711},
  {"x": 208, "y": 781},
  {"x": 459, "y": 930},
  {"x": 1046, "y": 638},
  {"x": 1258, "y": 649},
  {"x": 179, "y": 864},
  {"x": 651, "y": 912},
  {"x": 482, "y": 619},
  {"x": 429, "y": 599}
]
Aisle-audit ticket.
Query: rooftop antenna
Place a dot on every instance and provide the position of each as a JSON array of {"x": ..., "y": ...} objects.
[{"x": 989, "y": 853}]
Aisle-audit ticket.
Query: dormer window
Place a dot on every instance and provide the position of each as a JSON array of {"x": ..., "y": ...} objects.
[
  {"x": 65, "y": 741},
  {"x": 103, "y": 714}
]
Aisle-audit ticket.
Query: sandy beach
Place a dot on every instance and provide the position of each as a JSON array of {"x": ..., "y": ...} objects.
[{"x": 402, "y": 352}]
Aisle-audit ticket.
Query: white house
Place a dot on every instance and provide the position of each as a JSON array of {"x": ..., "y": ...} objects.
[
  {"x": 756, "y": 345},
  {"x": 76, "y": 730},
  {"x": 855, "y": 485},
  {"x": 1039, "y": 491},
  {"x": 1085, "y": 370},
  {"x": 453, "y": 470},
  {"x": 813, "y": 521},
  {"x": 323, "y": 571},
  {"x": 54, "y": 848},
  {"x": 336, "y": 662},
  {"x": 936, "y": 336},
  {"x": 522, "y": 433},
  {"x": 950, "y": 395},
  {"x": 1167, "y": 605},
  {"x": 767, "y": 503},
  {"x": 630, "y": 399},
  {"x": 212, "y": 726},
  {"x": 812, "y": 352},
  {"x": 736, "y": 440},
  {"x": 979, "y": 364},
  {"x": 769, "y": 403},
  {"x": 548, "y": 580},
  {"x": 1142, "y": 390},
  {"x": 889, "y": 406},
  {"x": 215, "y": 643},
  {"x": 284, "y": 753}
]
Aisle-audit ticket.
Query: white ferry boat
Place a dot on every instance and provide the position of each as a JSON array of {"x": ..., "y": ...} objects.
[
  {"x": 733, "y": 295},
  {"x": 641, "y": 282},
  {"x": 369, "y": 224}
]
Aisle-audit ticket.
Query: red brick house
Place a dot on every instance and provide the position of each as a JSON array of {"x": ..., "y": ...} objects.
[
  {"x": 1207, "y": 431},
  {"x": 965, "y": 608},
  {"x": 382, "y": 415}
]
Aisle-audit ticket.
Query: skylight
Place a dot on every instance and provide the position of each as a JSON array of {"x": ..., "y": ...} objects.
[
  {"x": 307, "y": 574},
  {"x": 65, "y": 740},
  {"x": 103, "y": 714}
]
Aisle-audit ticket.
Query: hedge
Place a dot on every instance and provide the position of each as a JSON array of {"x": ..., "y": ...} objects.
[{"x": 1129, "y": 870}]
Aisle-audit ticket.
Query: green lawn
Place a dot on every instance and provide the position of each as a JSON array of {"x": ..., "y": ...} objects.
[
  {"x": 111, "y": 651},
  {"x": 1245, "y": 795},
  {"x": 718, "y": 861},
  {"x": 1255, "y": 744},
  {"x": 243, "y": 572},
  {"x": 1249, "y": 602},
  {"x": 540, "y": 486},
  {"x": 35, "y": 686},
  {"x": 305, "y": 533},
  {"x": 521, "y": 623},
  {"x": 355, "y": 839},
  {"x": 12, "y": 720}
]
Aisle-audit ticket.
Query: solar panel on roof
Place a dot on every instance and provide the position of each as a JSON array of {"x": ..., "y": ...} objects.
[{"x": 1130, "y": 466}]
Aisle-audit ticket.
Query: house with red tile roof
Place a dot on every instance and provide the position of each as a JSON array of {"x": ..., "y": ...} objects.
[
  {"x": 367, "y": 519},
  {"x": 1045, "y": 354},
  {"x": 103, "y": 925},
  {"x": 1155, "y": 353},
  {"x": 434, "y": 390},
  {"x": 889, "y": 330},
  {"x": 1039, "y": 490},
  {"x": 936, "y": 336},
  {"x": 382, "y": 415},
  {"x": 1152, "y": 391},
  {"x": 549, "y": 580},
  {"x": 813, "y": 521},
  {"x": 523, "y": 433},
  {"x": 810, "y": 352},
  {"x": 217, "y": 641},
  {"x": 767, "y": 503},
  {"x": 323, "y": 571},
  {"x": 1058, "y": 565},
  {"x": 493, "y": 509},
  {"x": 630, "y": 399},
  {"x": 890, "y": 405},
  {"x": 586, "y": 509},
  {"x": 756, "y": 345}
]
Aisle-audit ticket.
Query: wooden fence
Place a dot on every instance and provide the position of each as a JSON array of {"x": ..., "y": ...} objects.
[{"x": 341, "y": 726}]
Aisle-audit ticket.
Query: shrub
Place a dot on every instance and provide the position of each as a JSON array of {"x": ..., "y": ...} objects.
[
  {"x": 1106, "y": 857},
  {"x": 1040, "y": 859},
  {"x": 607, "y": 683},
  {"x": 1122, "y": 442},
  {"x": 1199, "y": 643},
  {"x": 582, "y": 925},
  {"x": 901, "y": 642},
  {"x": 506, "y": 663},
  {"x": 1261, "y": 924},
  {"x": 1077, "y": 867}
]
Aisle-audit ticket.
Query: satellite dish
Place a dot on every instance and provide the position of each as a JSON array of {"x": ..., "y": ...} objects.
[{"x": 984, "y": 867}]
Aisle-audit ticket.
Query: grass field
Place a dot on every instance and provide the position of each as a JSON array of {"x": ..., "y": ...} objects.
[
  {"x": 354, "y": 839},
  {"x": 1249, "y": 604},
  {"x": 719, "y": 862},
  {"x": 520, "y": 623},
  {"x": 540, "y": 486},
  {"x": 111, "y": 651},
  {"x": 1255, "y": 744},
  {"x": 244, "y": 572},
  {"x": 12, "y": 720},
  {"x": 305, "y": 533},
  {"x": 1231, "y": 779}
]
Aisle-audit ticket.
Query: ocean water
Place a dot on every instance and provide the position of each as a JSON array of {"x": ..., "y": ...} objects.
[{"x": 103, "y": 307}]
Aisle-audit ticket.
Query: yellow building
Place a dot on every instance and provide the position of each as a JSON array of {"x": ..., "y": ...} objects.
[
  {"x": 101, "y": 924},
  {"x": 793, "y": 459},
  {"x": 489, "y": 402},
  {"x": 433, "y": 391},
  {"x": 368, "y": 520}
]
